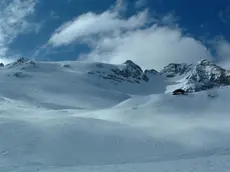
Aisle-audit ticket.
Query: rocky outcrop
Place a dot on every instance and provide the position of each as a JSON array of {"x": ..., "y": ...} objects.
[
  {"x": 174, "y": 69},
  {"x": 206, "y": 75},
  {"x": 22, "y": 63},
  {"x": 128, "y": 72},
  {"x": 202, "y": 76},
  {"x": 150, "y": 73}
]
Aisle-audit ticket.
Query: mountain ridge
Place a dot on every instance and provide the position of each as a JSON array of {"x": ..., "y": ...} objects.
[{"x": 190, "y": 77}]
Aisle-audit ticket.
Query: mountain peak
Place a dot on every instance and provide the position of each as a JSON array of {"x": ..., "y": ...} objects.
[
  {"x": 204, "y": 62},
  {"x": 22, "y": 60},
  {"x": 133, "y": 66},
  {"x": 206, "y": 75},
  {"x": 129, "y": 62},
  {"x": 22, "y": 63},
  {"x": 174, "y": 69}
]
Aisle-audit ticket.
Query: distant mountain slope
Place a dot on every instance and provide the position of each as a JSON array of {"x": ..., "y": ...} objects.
[
  {"x": 80, "y": 84},
  {"x": 128, "y": 77}
]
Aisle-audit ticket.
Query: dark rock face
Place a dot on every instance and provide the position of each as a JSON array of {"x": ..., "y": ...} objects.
[
  {"x": 174, "y": 69},
  {"x": 22, "y": 60},
  {"x": 132, "y": 69},
  {"x": 18, "y": 62},
  {"x": 151, "y": 72},
  {"x": 22, "y": 63},
  {"x": 66, "y": 66},
  {"x": 129, "y": 72},
  {"x": 202, "y": 76},
  {"x": 206, "y": 75}
]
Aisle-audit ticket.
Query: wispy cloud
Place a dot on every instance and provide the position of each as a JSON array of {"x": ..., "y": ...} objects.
[
  {"x": 169, "y": 19},
  {"x": 90, "y": 24},
  {"x": 140, "y": 3},
  {"x": 222, "y": 48},
  {"x": 112, "y": 38},
  {"x": 153, "y": 47},
  {"x": 120, "y": 6},
  {"x": 14, "y": 20},
  {"x": 225, "y": 15}
]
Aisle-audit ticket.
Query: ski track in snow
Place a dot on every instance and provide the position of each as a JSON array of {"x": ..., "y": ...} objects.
[{"x": 57, "y": 119}]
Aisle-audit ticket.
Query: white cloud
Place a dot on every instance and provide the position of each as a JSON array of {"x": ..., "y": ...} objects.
[
  {"x": 13, "y": 21},
  {"x": 223, "y": 49},
  {"x": 169, "y": 19},
  {"x": 120, "y": 6},
  {"x": 90, "y": 24},
  {"x": 153, "y": 47},
  {"x": 225, "y": 15},
  {"x": 223, "y": 52},
  {"x": 140, "y": 3},
  {"x": 115, "y": 39}
]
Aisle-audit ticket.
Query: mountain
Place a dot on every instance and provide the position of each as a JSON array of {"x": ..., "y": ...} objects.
[
  {"x": 127, "y": 76},
  {"x": 173, "y": 69},
  {"x": 202, "y": 76},
  {"x": 90, "y": 116},
  {"x": 206, "y": 75},
  {"x": 128, "y": 72}
]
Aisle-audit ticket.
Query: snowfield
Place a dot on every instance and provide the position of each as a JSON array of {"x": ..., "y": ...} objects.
[{"x": 70, "y": 117}]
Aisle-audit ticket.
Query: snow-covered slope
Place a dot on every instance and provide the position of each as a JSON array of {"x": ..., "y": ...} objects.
[{"x": 81, "y": 116}]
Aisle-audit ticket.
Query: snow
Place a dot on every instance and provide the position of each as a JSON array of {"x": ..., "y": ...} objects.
[
  {"x": 210, "y": 164},
  {"x": 56, "y": 117}
]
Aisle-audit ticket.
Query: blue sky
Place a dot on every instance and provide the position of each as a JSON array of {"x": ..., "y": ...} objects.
[{"x": 152, "y": 33}]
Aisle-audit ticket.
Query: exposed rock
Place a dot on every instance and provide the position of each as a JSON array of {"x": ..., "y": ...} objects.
[
  {"x": 66, "y": 66},
  {"x": 174, "y": 69},
  {"x": 128, "y": 72},
  {"x": 150, "y": 73},
  {"x": 22, "y": 60},
  {"x": 206, "y": 75},
  {"x": 22, "y": 63}
]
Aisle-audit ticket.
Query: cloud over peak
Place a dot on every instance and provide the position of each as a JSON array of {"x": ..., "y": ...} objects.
[
  {"x": 152, "y": 47},
  {"x": 145, "y": 40}
]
